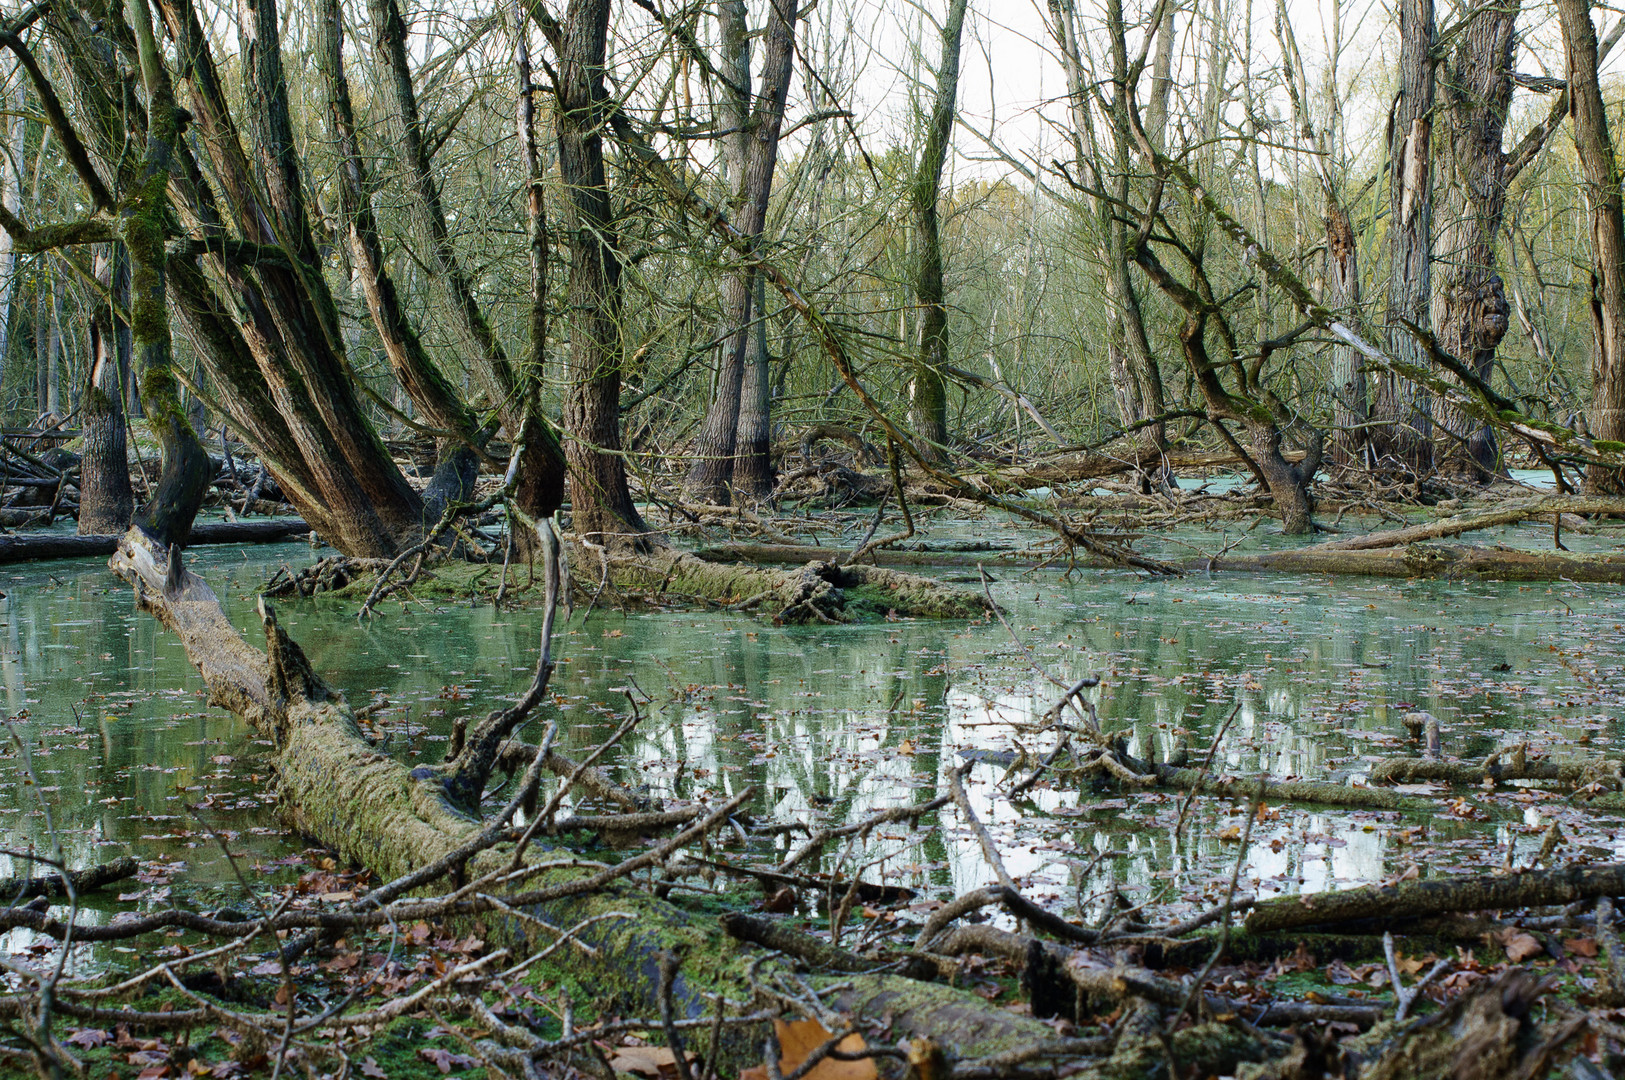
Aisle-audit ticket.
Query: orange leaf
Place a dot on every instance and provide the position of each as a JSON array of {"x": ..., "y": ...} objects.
[{"x": 799, "y": 1038}]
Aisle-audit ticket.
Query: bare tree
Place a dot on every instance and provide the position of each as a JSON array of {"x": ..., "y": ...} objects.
[
  {"x": 928, "y": 391},
  {"x": 735, "y": 429},
  {"x": 1595, "y": 148}
]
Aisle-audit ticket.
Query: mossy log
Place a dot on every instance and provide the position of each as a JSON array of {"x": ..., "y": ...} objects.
[
  {"x": 1418, "y": 899},
  {"x": 1425, "y": 770},
  {"x": 1431, "y": 560},
  {"x": 82, "y": 881},
  {"x": 1308, "y": 791},
  {"x": 818, "y": 591},
  {"x": 24, "y": 547},
  {"x": 924, "y": 556},
  {"x": 372, "y": 810}
]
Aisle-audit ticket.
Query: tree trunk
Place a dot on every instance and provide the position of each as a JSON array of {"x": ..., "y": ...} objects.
[
  {"x": 754, "y": 474},
  {"x": 1402, "y": 407},
  {"x": 732, "y": 429},
  {"x": 1350, "y": 409},
  {"x": 175, "y": 500},
  {"x": 1600, "y": 168},
  {"x": 600, "y": 500},
  {"x": 1470, "y": 311},
  {"x": 442, "y": 406},
  {"x": 106, "y": 500},
  {"x": 11, "y": 197},
  {"x": 928, "y": 390}
]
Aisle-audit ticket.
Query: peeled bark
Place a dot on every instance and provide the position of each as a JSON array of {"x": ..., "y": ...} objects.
[
  {"x": 1470, "y": 310},
  {"x": 1402, "y": 407},
  {"x": 1598, "y": 164}
]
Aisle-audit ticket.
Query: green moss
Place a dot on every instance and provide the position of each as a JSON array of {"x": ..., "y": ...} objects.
[{"x": 1609, "y": 446}]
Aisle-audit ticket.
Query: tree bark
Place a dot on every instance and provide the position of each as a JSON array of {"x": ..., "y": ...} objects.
[
  {"x": 1401, "y": 407},
  {"x": 600, "y": 501},
  {"x": 1350, "y": 402},
  {"x": 174, "y": 502},
  {"x": 928, "y": 389},
  {"x": 1595, "y": 148},
  {"x": 106, "y": 500},
  {"x": 1470, "y": 310},
  {"x": 30, "y": 547}
]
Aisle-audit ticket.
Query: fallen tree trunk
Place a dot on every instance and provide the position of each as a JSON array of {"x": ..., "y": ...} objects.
[
  {"x": 32, "y": 546},
  {"x": 1309, "y": 791},
  {"x": 804, "y": 553},
  {"x": 82, "y": 881},
  {"x": 1073, "y": 466},
  {"x": 1413, "y": 770},
  {"x": 372, "y": 810},
  {"x": 819, "y": 591},
  {"x": 1419, "y": 899},
  {"x": 1506, "y": 514},
  {"x": 1430, "y": 560}
]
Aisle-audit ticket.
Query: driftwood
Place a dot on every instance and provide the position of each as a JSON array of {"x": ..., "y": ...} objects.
[
  {"x": 1505, "y": 514},
  {"x": 1430, "y": 560},
  {"x": 83, "y": 881},
  {"x": 1391, "y": 903},
  {"x": 29, "y": 546},
  {"x": 1497, "y": 767},
  {"x": 1309, "y": 791}
]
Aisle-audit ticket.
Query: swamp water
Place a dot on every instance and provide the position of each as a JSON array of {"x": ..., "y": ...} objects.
[{"x": 110, "y": 745}]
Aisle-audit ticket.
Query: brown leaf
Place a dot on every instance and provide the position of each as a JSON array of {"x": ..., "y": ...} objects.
[
  {"x": 1581, "y": 946},
  {"x": 90, "y": 1038},
  {"x": 369, "y": 1068},
  {"x": 445, "y": 1060},
  {"x": 1521, "y": 947},
  {"x": 799, "y": 1038},
  {"x": 655, "y": 1062}
]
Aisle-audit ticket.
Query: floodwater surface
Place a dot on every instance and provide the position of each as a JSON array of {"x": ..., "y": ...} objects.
[{"x": 111, "y": 748}]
